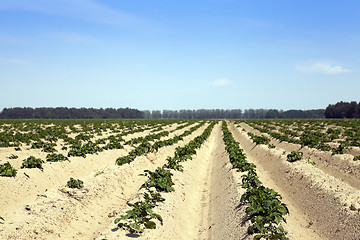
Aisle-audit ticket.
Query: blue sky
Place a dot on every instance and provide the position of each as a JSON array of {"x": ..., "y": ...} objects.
[{"x": 158, "y": 54}]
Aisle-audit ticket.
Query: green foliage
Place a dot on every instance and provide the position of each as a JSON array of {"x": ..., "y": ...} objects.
[
  {"x": 294, "y": 156},
  {"x": 259, "y": 139},
  {"x": 13, "y": 156},
  {"x": 37, "y": 144},
  {"x": 174, "y": 163},
  {"x": 251, "y": 180},
  {"x": 114, "y": 143},
  {"x": 237, "y": 156},
  {"x": 143, "y": 148},
  {"x": 139, "y": 217},
  {"x": 265, "y": 211},
  {"x": 309, "y": 161},
  {"x": 125, "y": 159},
  {"x": 99, "y": 173},
  {"x": 75, "y": 183},
  {"x": 6, "y": 170},
  {"x": 80, "y": 150},
  {"x": 160, "y": 179},
  {"x": 32, "y": 162},
  {"x": 49, "y": 147},
  {"x": 356, "y": 158},
  {"x": 53, "y": 157}
]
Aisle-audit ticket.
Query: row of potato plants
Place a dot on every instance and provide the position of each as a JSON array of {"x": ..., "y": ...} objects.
[
  {"x": 310, "y": 136},
  {"x": 264, "y": 209},
  {"x": 141, "y": 216},
  {"x": 146, "y": 147}
]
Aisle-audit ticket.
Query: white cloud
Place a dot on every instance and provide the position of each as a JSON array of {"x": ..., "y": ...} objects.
[
  {"x": 221, "y": 82},
  {"x": 323, "y": 68}
]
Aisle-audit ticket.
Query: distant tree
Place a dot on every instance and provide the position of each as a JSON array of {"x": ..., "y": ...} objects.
[
  {"x": 272, "y": 113},
  {"x": 343, "y": 110},
  {"x": 69, "y": 113}
]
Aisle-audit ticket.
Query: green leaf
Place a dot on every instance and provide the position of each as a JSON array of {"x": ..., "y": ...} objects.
[
  {"x": 150, "y": 225},
  {"x": 158, "y": 217},
  {"x": 278, "y": 219}
]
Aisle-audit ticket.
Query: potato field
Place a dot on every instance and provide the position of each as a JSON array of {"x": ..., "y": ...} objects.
[{"x": 180, "y": 179}]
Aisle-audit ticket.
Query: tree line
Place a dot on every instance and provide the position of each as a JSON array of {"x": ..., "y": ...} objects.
[
  {"x": 69, "y": 113},
  {"x": 92, "y": 113},
  {"x": 233, "y": 114},
  {"x": 343, "y": 110}
]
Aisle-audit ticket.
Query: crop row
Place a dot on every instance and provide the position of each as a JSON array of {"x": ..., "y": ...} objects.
[
  {"x": 141, "y": 215},
  {"x": 146, "y": 147},
  {"x": 265, "y": 210}
]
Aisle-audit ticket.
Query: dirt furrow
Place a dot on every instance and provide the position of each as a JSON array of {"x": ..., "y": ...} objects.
[{"x": 318, "y": 203}]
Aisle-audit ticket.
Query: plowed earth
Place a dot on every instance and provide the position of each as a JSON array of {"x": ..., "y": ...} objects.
[{"x": 323, "y": 200}]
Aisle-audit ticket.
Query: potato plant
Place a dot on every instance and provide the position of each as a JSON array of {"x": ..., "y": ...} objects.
[
  {"x": 75, "y": 183},
  {"x": 53, "y": 157},
  {"x": 12, "y": 156},
  {"x": 140, "y": 216},
  {"x": 32, "y": 162},
  {"x": 294, "y": 156},
  {"x": 160, "y": 179},
  {"x": 6, "y": 170}
]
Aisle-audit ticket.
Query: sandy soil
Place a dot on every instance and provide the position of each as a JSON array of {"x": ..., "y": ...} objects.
[{"x": 323, "y": 200}]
